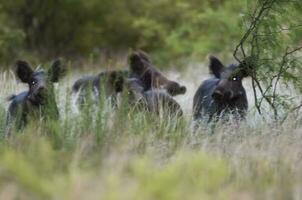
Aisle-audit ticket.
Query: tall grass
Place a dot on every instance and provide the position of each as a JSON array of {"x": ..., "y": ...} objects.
[{"x": 102, "y": 153}]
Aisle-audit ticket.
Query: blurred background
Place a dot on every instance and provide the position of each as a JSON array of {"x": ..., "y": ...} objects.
[{"x": 172, "y": 31}]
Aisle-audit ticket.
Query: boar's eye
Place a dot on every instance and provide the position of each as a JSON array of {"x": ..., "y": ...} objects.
[
  {"x": 33, "y": 82},
  {"x": 235, "y": 78}
]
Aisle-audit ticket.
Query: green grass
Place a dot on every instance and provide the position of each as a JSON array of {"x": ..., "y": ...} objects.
[{"x": 122, "y": 154}]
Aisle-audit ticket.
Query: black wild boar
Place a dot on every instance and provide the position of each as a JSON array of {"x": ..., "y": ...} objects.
[
  {"x": 39, "y": 101},
  {"x": 142, "y": 68},
  {"x": 153, "y": 101},
  {"x": 111, "y": 82},
  {"x": 223, "y": 94}
]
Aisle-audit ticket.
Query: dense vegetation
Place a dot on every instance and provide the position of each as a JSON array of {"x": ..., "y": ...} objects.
[{"x": 103, "y": 153}]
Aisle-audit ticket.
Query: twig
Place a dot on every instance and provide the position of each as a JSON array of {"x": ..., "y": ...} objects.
[
  {"x": 265, "y": 6},
  {"x": 283, "y": 69},
  {"x": 290, "y": 111}
]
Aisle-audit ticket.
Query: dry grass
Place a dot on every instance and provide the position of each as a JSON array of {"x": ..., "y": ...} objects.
[{"x": 123, "y": 156}]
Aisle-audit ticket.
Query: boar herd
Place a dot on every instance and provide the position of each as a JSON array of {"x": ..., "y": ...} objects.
[{"x": 146, "y": 88}]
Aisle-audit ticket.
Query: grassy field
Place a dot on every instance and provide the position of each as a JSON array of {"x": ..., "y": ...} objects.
[{"x": 106, "y": 154}]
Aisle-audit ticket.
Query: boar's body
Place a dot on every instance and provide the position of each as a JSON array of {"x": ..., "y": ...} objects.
[
  {"x": 18, "y": 106},
  {"x": 206, "y": 107},
  {"x": 154, "y": 101},
  {"x": 21, "y": 109},
  {"x": 157, "y": 101},
  {"x": 109, "y": 82}
]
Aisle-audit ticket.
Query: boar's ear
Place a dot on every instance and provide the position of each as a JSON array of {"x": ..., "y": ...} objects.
[
  {"x": 56, "y": 71},
  {"x": 23, "y": 71},
  {"x": 137, "y": 62},
  {"x": 173, "y": 88},
  {"x": 246, "y": 67},
  {"x": 144, "y": 56},
  {"x": 215, "y": 66}
]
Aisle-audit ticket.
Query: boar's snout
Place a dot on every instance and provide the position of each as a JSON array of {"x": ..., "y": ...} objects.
[
  {"x": 222, "y": 95},
  {"x": 217, "y": 95}
]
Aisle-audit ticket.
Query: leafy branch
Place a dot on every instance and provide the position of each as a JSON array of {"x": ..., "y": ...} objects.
[{"x": 262, "y": 46}]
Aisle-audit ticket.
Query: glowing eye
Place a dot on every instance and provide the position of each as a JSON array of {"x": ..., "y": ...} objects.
[
  {"x": 235, "y": 79},
  {"x": 33, "y": 82}
]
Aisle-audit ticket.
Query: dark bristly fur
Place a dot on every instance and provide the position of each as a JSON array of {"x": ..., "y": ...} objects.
[
  {"x": 223, "y": 94},
  {"x": 141, "y": 67},
  {"x": 111, "y": 82},
  {"x": 153, "y": 101}
]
